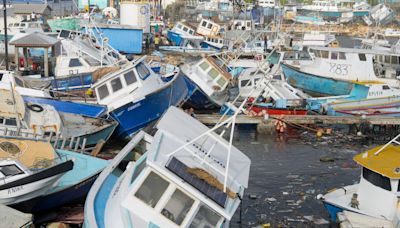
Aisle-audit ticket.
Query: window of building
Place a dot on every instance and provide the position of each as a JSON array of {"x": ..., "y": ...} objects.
[
  {"x": 129, "y": 77},
  {"x": 74, "y": 63},
  {"x": 116, "y": 84},
  {"x": 376, "y": 179},
  {"x": 142, "y": 71},
  {"x": 10, "y": 170},
  {"x": 103, "y": 91},
  {"x": 177, "y": 207},
  {"x": 362, "y": 57},
  {"x": 204, "y": 65},
  {"x": 204, "y": 218},
  {"x": 213, "y": 73},
  {"x": 152, "y": 189}
]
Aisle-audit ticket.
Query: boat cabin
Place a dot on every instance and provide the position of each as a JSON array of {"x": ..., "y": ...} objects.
[
  {"x": 208, "y": 28},
  {"x": 212, "y": 74},
  {"x": 356, "y": 64},
  {"x": 379, "y": 186},
  {"x": 115, "y": 87},
  {"x": 215, "y": 42},
  {"x": 12, "y": 170},
  {"x": 25, "y": 27},
  {"x": 242, "y": 25},
  {"x": 184, "y": 29}
]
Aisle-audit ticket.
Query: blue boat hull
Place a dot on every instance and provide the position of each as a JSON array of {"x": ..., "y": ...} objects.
[
  {"x": 315, "y": 84},
  {"x": 71, "y": 83},
  {"x": 175, "y": 38},
  {"x": 73, "y": 186},
  {"x": 89, "y": 110},
  {"x": 332, "y": 210},
  {"x": 198, "y": 99},
  {"x": 136, "y": 115}
]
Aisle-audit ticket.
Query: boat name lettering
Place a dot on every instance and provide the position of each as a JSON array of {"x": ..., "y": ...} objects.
[
  {"x": 15, "y": 189},
  {"x": 133, "y": 107},
  {"x": 375, "y": 93},
  {"x": 339, "y": 69}
]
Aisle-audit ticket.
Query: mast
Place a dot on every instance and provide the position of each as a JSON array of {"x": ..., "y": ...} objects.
[{"x": 5, "y": 32}]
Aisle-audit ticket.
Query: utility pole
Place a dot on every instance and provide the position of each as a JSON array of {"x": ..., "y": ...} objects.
[{"x": 5, "y": 32}]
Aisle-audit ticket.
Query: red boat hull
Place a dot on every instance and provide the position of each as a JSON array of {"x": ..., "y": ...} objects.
[{"x": 277, "y": 111}]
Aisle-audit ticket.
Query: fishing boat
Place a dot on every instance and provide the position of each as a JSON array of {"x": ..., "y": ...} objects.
[
  {"x": 333, "y": 69},
  {"x": 376, "y": 195},
  {"x": 28, "y": 168},
  {"x": 135, "y": 96},
  {"x": 336, "y": 9},
  {"x": 187, "y": 176},
  {"x": 360, "y": 91},
  {"x": 383, "y": 106},
  {"x": 208, "y": 81},
  {"x": 73, "y": 186},
  {"x": 45, "y": 121}
]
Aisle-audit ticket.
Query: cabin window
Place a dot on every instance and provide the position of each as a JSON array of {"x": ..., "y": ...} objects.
[
  {"x": 204, "y": 65},
  {"x": 385, "y": 87},
  {"x": 177, "y": 207},
  {"x": 185, "y": 29},
  {"x": 116, "y": 84},
  {"x": 325, "y": 54},
  {"x": 11, "y": 122},
  {"x": 334, "y": 55},
  {"x": 221, "y": 81},
  {"x": 213, "y": 73},
  {"x": 74, "y": 63},
  {"x": 220, "y": 41},
  {"x": 191, "y": 32},
  {"x": 205, "y": 217},
  {"x": 376, "y": 179},
  {"x": 394, "y": 60},
  {"x": 103, "y": 91},
  {"x": 130, "y": 77},
  {"x": 10, "y": 170},
  {"x": 243, "y": 83},
  {"x": 142, "y": 71},
  {"x": 179, "y": 26},
  {"x": 362, "y": 57},
  {"x": 209, "y": 25},
  {"x": 342, "y": 55},
  {"x": 152, "y": 189},
  {"x": 387, "y": 59},
  {"x": 204, "y": 23}
]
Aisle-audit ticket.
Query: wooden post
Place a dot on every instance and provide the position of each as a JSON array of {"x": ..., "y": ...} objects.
[
  {"x": 16, "y": 57},
  {"x": 46, "y": 62},
  {"x": 25, "y": 50},
  {"x": 98, "y": 148}
]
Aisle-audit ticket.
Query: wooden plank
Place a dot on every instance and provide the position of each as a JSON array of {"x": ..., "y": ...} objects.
[
  {"x": 97, "y": 148},
  {"x": 308, "y": 119}
]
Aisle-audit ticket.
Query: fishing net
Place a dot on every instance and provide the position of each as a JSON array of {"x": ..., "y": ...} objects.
[{"x": 10, "y": 148}]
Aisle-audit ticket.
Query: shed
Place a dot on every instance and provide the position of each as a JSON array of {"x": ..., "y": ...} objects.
[
  {"x": 35, "y": 40},
  {"x": 29, "y": 8}
]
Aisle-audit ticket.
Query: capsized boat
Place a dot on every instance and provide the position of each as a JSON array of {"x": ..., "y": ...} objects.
[
  {"x": 73, "y": 186},
  {"x": 188, "y": 176},
  {"x": 376, "y": 195},
  {"x": 136, "y": 96},
  {"x": 28, "y": 168},
  {"x": 46, "y": 122},
  {"x": 209, "y": 82}
]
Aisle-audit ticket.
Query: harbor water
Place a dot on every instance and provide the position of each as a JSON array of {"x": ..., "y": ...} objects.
[{"x": 287, "y": 173}]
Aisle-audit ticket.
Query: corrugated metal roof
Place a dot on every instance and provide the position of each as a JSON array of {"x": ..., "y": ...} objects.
[
  {"x": 31, "y": 8},
  {"x": 35, "y": 39}
]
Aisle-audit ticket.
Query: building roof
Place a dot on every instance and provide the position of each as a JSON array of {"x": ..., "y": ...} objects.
[
  {"x": 386, "y": 163},
  {"x": 37, "y": 8},
  {"x": 35, "y": 39}
]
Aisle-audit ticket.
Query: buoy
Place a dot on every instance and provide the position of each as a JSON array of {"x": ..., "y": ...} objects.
[
  {"x": 359, "y": 133},
  {"x": 320, "y": 133}
]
